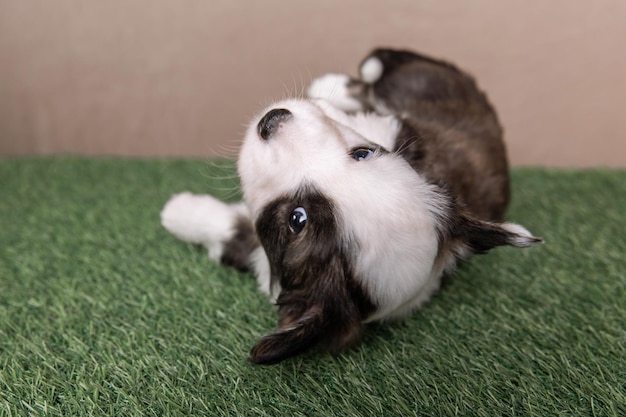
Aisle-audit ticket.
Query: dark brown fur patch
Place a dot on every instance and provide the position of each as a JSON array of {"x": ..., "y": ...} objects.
[
  {"x": 320, "y": 300},
  {"x": 237, "y": 249}
]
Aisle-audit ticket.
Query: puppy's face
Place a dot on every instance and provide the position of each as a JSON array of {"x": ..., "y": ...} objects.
[
  {"x": 348, "y": 227},
  {"x": 352, "y": 233}
]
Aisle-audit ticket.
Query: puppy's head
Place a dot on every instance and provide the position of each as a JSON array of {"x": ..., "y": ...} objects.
[{"x": 351, "y": 231}]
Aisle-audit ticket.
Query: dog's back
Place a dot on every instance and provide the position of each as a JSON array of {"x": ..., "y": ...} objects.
[{"x": 450, "y": 132}]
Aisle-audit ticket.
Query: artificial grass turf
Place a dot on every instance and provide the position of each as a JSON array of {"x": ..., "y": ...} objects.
[{"x": 104, "y": 313}]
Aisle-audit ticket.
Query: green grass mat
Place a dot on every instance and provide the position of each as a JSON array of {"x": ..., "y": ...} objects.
[{"x": 104, "y": 313}]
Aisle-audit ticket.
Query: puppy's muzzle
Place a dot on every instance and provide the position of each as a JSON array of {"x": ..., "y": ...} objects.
[{"x": 270, "y": 123}]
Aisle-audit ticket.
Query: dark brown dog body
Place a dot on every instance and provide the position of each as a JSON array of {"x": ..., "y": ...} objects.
[{"x": 451, "y": 133}]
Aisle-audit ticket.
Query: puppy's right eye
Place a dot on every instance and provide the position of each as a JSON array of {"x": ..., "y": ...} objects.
[
  {"x": 361, "y": 154},
  {"x": 297, "y": 219}
]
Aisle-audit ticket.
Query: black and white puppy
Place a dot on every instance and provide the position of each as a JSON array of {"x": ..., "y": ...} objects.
[{"x": 359, "y": 199}]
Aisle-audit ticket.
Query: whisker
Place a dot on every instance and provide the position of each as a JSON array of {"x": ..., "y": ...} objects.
[
  {"x": 310, "y": 81},
  {"x": 302, "y": 91},
  {"x": 285, "y": 88},
  {"x": 295, "y": 85},
  {"x": 407, "y": 143}
]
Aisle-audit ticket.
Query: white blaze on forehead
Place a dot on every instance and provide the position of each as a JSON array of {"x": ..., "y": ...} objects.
[
  {"x": 306, "y": 146},
  {"x": 310, "y": 147},
  {"x": 381, "y": 130}
]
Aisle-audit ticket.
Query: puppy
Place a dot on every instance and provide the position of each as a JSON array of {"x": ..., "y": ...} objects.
[{"x": 359, "y": 199}]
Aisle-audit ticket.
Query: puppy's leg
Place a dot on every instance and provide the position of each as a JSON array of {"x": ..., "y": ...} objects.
[
  {"x": 390, "y": 81},
  {"x": 340, "y": 90},
  {"x": 354, "y": 95},
  {"x": 224, "y": 229}
]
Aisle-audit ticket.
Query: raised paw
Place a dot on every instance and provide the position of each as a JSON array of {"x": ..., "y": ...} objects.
[{"x": 338, "y": 89}]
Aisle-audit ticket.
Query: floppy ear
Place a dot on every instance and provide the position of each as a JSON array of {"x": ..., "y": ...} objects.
[
  {"x": 329, "y": 312},
  {"x": 291, "y": 338}
]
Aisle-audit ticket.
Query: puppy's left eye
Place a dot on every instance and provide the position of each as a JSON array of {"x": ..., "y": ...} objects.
[
  {"x": 361, "y": 154},
  {"x": 297, "y": 219}
]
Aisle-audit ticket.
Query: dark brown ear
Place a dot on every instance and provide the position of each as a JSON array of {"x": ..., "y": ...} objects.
[
  {"x": 290, "y": 339},
  {"x": 320, "y": 302},
  {"x": 329, "y": 313}
]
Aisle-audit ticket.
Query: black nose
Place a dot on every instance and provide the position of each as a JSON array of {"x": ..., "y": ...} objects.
[{"x": 270, "y": 122}]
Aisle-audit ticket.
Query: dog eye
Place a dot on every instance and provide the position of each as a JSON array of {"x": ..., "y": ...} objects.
[
  {"x": 361, "y": 154},
  {"x": 297, "y": 220}
]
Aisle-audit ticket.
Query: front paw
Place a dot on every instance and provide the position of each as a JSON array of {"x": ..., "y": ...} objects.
[
  {"x": 336, "y": 89},
  {"x": 197, "y": 218}
]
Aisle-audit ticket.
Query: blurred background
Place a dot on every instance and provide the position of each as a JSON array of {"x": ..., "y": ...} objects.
[{"x": 182, "y": 78}]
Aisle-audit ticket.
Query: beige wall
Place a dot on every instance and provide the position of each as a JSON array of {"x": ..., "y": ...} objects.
[{"x": 164, "y": 77}]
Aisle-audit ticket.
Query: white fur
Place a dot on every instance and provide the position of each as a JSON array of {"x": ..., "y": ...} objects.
[
  {"x": 331, "y": 94},
  {"x": 385, "y": 209},
  {"x": 371, "y": 70},
  {"x": 334, "y": 88},
  {"x": 261, "y": 266},
  {"x": 393, "y": 222},
  {"x": 523, "y": 238},
  {"x": 313, "y": 147},
  {"x": 381, "y": 130},
  {"x": 201, "y": 219}
]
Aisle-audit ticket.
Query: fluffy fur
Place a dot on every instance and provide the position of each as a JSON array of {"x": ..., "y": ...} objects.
[{"x": 359, "y": 199}]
